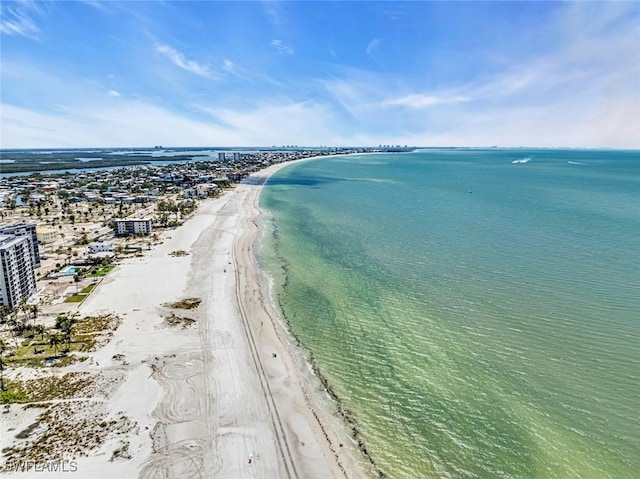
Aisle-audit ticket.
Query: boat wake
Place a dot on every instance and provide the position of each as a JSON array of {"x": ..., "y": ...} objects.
[{"x": 523, "y": 160}]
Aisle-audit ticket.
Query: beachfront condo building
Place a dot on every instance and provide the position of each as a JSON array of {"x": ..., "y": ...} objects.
[
  {"x": 17, "y": 277},
  {"x": 28, "y": 231},
  {"x": 135, "y": 226}
]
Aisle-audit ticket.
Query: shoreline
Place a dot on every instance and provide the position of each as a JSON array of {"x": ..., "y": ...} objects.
[
  {"x": 228, "y": 394},
  {"x": 289, "y": 378}
]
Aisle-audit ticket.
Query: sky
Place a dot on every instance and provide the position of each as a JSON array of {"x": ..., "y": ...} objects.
[{"x": 203, "y": 73}]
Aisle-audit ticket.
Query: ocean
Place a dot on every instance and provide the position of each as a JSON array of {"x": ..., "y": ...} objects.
[{"x": 476, "y": 311}]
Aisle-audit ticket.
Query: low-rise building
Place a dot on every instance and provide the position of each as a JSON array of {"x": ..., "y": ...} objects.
[
  {"x": 46, "y": 235},
  {"x": 133, "y": 226},
  {"x": 100, "y": 247}
]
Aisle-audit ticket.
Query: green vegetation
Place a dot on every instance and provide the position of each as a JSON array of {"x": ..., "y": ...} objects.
[
  {"x": 89, "y": 288},
  {"x": 65, "y": 429},
  {"x": 27, "y": 161},
  {"x": 13, "y": 394},
  {"x": 75, "y": 298},
  {"x": 50, "y": 387},
  {"x": 99, "y": 271},
  {"x": 54, "y": 345},
  {"x": 79, "y": 297}
]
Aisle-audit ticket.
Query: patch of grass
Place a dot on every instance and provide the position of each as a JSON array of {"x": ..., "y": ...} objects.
[
  {"x": 178, "y": 252},
  {"x": 88, "y": 333},
  {"x": 50, "y": 387},
  {"x": 89, "y": 288},
  {"x": 95, "y": 324},
  {"x": 187, "y": 303},
  {"x": 26, "y": 357},
  {"x": 65, "y": 430},
  {"x": 75, "y": 298},
  {"x": 100, "y": 271},
  {"x": 14, "y": 394}
]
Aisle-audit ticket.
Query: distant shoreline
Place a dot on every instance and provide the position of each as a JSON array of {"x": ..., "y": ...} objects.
[
  {"x": 84, "y": 165},
  {"x": 36, "y": 161}
]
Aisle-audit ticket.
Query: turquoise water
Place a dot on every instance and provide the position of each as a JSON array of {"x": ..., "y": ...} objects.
[
  {"x": 67, "y": 271},
  {"x": 476, "y": 317}
]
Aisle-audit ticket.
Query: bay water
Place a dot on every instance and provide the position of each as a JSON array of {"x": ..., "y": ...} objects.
[{"x": 476, "y": 311}]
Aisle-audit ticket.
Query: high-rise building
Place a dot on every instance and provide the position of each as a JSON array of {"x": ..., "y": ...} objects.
[
  {"x": 236, "y": 156},
  {"x": 27, "y": 230},
  {"x": 17, "y": 279},
  {"x": 222, "y": 156}
]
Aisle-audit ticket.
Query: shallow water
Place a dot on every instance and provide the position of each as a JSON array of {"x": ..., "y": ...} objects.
[{"x": 477, "y": 314}]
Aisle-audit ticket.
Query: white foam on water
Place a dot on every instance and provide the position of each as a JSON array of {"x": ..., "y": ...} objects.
[{"x": 523, "y": 160}]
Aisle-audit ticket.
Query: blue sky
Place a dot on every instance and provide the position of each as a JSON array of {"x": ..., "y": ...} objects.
[{"x": 203, "y": 73}]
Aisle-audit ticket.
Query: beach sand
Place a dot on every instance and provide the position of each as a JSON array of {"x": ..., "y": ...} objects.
[{"x": 227, "y": 396}]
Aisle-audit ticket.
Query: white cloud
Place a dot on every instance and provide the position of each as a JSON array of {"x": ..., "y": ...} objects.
[
  {"x": 282, "y": 121},
  {"x": 281, "y": 47},
  {"x": 273, "y": 12},
  {"x": 234, "y": 69},
  {"x": 246, "y": 74},
  {"x": 113, "y": 93},
  {"x": 424, "y": 101},
  {"x": 15, "y": 18},
  {"x": 581, "y": 92},
  {"x": 137, "y": 123},
  {"x": 128, "y": 124},
  {"x": 373, "y": 47},
  {"x": 178, "y": 59}
]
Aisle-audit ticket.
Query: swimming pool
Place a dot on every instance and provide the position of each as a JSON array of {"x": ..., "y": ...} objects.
[{"x": 68, "y": 271}]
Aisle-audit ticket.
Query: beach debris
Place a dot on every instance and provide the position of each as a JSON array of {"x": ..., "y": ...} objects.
[
  {"x": 174, "y": 320},
  {"x": 187, "y": 303},
  {"x": 178, "y": 253}
]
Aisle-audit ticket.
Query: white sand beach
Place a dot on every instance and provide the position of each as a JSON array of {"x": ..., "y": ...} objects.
[{"x": 227, "y": 396}]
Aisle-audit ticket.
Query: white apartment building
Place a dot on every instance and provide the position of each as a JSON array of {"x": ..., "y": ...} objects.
[
  {"x": 17, "y": 279},
  {"x": 27, "y": 230},
  {"x": 133, "y": 226}
]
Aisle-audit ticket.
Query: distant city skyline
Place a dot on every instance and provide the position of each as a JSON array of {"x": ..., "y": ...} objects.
[{"x": 115, "y": 74}]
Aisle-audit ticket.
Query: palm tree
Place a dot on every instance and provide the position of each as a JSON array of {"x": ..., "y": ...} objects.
[
  {"x": 54, "y": 341},
  {"x": 39, "y": 330},
  {"x": 14, "y": 327},
  {"x": 25, "y": 308},
  {"x": 3, "y": 348},
  {"x": 34, "y": 310},
  {"x": 5, "y": 310},
  {"x": 66, "y": 325}
]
